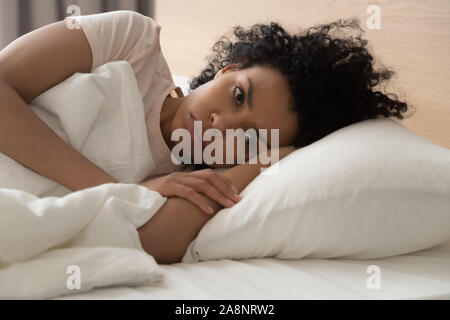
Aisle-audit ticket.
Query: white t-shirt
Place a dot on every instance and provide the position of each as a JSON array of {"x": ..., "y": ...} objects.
[{"x": 133, "y": 37}]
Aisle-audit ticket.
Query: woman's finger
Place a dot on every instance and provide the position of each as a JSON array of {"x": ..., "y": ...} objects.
[
  {"x": 222, "y": 183},
  {"x": 203, "y": 186},
  {"x": 193, "y": 196}
]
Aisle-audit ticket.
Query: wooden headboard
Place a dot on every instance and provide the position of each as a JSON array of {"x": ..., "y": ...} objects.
[{"x": 413, "y": 41}]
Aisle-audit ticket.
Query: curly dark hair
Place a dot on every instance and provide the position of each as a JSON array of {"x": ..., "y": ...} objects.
[{"x": 331, "y": 78}]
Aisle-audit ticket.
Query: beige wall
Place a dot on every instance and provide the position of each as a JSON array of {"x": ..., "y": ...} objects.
[{"x": 414, "y": 40}]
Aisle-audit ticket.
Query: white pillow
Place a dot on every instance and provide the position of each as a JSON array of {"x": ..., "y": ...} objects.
[{"x": 370, "y": 190}]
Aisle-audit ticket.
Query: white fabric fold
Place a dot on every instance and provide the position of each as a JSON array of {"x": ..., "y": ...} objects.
[
  {"x": 101, "y": 115},
  {"x": 45, "y": 228}
]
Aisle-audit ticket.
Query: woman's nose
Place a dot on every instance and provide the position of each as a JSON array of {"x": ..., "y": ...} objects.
[
  {"x": 220, "y": 121},
  {"x": 213, "y": 118},
  {"x": 225, "y": 121}
]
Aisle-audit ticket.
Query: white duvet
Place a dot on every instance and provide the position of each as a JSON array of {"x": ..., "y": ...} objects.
[{"x": 54, "y": 242}]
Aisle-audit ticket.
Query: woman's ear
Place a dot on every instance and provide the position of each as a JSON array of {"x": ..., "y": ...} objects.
[{"x": 223, "y": 70}]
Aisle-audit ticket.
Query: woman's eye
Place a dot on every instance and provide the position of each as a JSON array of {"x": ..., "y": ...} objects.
[{"x": 239, "y": 95}]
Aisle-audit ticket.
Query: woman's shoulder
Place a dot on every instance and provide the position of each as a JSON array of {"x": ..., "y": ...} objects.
[
  {"x": 118, "y": 23},
  {"x": 118, "y": 16},
  {"x": 119, "y": 35}
]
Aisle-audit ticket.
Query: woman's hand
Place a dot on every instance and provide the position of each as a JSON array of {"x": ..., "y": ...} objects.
[
  {"x": 196, "y": 186},
  {"x": 167, "y": 235}
]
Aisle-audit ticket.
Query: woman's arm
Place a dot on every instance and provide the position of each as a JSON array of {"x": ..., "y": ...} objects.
[
  {"x": 29, "y": 66},
  {"x": 167, "y": 235}
]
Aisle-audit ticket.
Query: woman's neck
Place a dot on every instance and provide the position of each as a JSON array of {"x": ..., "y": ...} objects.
[{"x": 169, "y": 109}]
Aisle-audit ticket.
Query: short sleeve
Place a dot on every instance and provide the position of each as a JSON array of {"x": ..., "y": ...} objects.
[{"x": 119, "y": 35}]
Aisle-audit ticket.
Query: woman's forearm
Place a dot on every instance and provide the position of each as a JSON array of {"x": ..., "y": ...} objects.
[
  {"x": 167, "y": 235},
  {"x": 25, "y": 138}
]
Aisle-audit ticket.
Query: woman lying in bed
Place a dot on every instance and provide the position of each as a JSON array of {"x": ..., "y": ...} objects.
[{"x": 305, "y": 85}]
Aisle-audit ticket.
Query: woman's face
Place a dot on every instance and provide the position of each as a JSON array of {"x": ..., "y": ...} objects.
[{"x": 257, "y": 97}]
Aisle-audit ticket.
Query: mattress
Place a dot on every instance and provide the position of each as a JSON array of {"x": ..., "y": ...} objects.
[{"x": 420, "y": 275}]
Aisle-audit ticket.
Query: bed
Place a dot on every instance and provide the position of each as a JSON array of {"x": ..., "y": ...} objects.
[
  {"x": 362, "y": 245},
  {"x": 424, "y": 274},
  {"x": 420, "y": 275}
]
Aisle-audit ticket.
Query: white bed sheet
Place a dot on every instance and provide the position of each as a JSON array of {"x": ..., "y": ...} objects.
[{"x": 421, "y": 275}]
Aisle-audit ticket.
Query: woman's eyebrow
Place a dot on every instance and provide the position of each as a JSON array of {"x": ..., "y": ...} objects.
[{"x": 250, "y": 92}]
